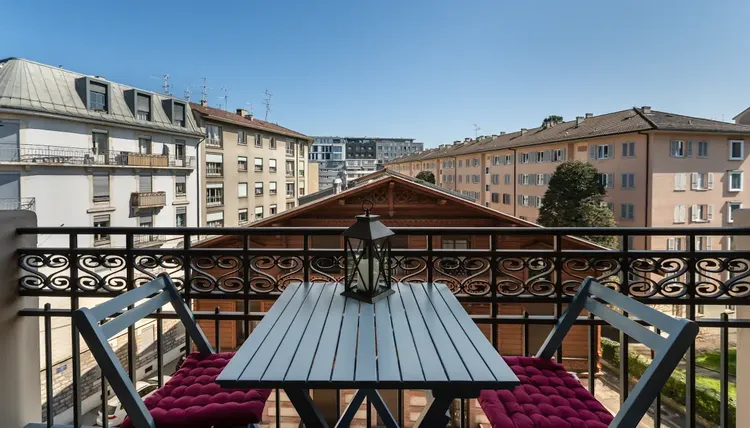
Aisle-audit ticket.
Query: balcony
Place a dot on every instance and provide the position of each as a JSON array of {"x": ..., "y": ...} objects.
[
  {"x": 513, "y": 295},
  {"x": 10, "y": 204},
  {"x": 148, "y": 199},
  {"x": 60, "y": 155}
]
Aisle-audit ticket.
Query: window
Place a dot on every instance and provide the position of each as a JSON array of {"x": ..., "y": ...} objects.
[
  {"x": 607, "y": 180},
  {"x": 702, "y": 149},
  {"x": 507, "y": 179},
  {"x": 486, "y": 170},
  {"x": 258, "y": 164},
  {"x": 258, "y": 188},
  {"x": 456, "y": 243},
  {"x": 144, "y": 145},
  {"x": 215, "y": 219},
  {"x": 558, "y": 155},
  {"x": 506, "y": 198},
  {"x": 539, "y": 157},
  {"x": 258, "y": 213},
  {"x": 475, "y": 162},
  {"x": 101, "y": 221},
  {"x": 143, "y": 107},
  {"x": 460, "y": 178},
  {"x": 486, "y": 187},
  {"x": 301, "y": 150},
  {"x": 735, "y": 181},
  {"x": 290, "y": 149},
  {"x": 702, "y": 243},
  {"x": 289, "y": 190},
  {"x": 145, "y": 183},
  {"x": 540, "y": 179},
  {"x": 101, "y": 187},
  {"x": 180, "y": 185},
  {"x": 272, "y": 188},
  {"x": 475, "y": 178},
  {"x": 302, "y": 188},
  {"x": 460, "y": 163},
  {"x": 736, "y": 149},
  {"x": 524, "y": 158},
  {"x": 301, "y": 171},
  {"x": 674, "y": 244},
  {"x": 290, "y": 205},
  {"x": 179, "y": 152},
  {"x": 628, "y": 149},
  {"x": 496, "y": 198},
  {"x": 627, "y": 211},
  {"x": 242, "y": 215},
  {"x": 508, "y": 159},
  {"x": 146, "y": 218},
  {"x": 524, "y": 200},
  {"x": 272, "y": 143},
  {"x": 178, "y": 115},
  {"x": 272, "y": 209},
  {"x": 214, "y": 194},
  {"x": 601, "y": 151},
  {"x": 241, "y": 138},
  {"x": 98, "y": 96},
  {"x": 180, "y": 219},
  {"x": 290, "y": 168},
  {"x": 523, "y": 179},
  {"x": 213, "y": 135},
  {"x": 701, "y": 213},
  {"x": 679, "y": 214},
  {"x": 214, "y": 165},
  {"x": 680, "y": 181},
  {"x": 702, "y": 181},
  {"x": 272, "y": 165},
  {"x": 241, "y": 163},
  {"x": 628, "y": 181},
  {"x": 495, "y": 178},
  {"x": 677, "y": 149},
  {"x": 731, "y": 207}
]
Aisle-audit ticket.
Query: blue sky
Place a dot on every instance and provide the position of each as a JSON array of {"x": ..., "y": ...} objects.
[{"x": 426, "y": 69}]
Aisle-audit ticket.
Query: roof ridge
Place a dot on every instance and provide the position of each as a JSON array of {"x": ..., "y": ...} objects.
[{"x": 646, "y": 118}]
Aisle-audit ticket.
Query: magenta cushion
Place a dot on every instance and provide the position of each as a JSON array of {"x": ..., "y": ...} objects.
[
  {"x": 193, "y": 399},
  {"x": 548, "y": 397}
]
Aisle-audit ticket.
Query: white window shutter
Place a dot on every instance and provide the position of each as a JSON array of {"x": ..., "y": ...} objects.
[
  {"x": 611, "y": 151},
  {"x": 708, "y": 242},
  {"x": 670, "y": 244},
  {"x": 694, "y": 212},
  {"x": 709, "y": 212},
  {"x": 676, "y": 217},
  {"x": 611, "y": 180},
  {"x": 592, "y": 152},
  {"x": 694, "y": 177},
  {"x": 683, "y": 214},
  {"x": 710, "y": 180},
  {"x": 677, "y": 181}
]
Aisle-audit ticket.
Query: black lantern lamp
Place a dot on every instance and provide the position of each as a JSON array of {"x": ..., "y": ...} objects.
[{"x": 367, "y": 272}]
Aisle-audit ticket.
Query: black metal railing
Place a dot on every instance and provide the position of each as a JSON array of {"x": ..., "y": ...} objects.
[
  {"x": 65, "y": 155},
  {"x": 522, "y": 268}
]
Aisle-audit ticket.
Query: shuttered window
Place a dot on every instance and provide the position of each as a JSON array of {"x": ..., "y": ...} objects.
[
  {"x": 180, "y": 184},
  {"x": 143, "y": 107},
  {"x": 180, "y": 216},
  {"x": 145, "y": 183},
  {"x": 242, "y": 190},
  {"x": 146, "y": 218},
  {"x": 101, "y": 188},
  {"x": 178, "y": 115}
]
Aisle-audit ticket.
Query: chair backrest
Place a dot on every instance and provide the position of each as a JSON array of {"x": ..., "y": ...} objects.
[
  {"x": 668, "y": 351},
  {"x": 121, "y": 315}
]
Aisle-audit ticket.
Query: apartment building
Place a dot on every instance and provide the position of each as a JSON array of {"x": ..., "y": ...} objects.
[
  {"x": 659, "y": 169},
  {"x": 85, "y": 151},
  {"x": 350, "y": 158},
  {"x": 250, "y": 169}
]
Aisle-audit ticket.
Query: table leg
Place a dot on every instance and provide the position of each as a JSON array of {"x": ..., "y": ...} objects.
[
  {"x": 435, "y": 413},
  {"x": 382, "y": 409},
  {"x": 351, "y": 409},
  {"x": 308, "y": 412}
]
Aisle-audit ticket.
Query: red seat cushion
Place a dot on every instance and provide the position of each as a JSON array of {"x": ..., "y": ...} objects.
[
  {"x": 193, "y": 399},
  {"x": 548, "y": 397}
]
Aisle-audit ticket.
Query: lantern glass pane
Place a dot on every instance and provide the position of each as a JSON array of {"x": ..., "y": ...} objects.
[{"x": 355, "y": 257}]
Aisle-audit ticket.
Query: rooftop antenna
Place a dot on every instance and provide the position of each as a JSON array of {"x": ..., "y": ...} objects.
[
  {"x": 204, "y": 92},
  {"x": 226, "y": 96},
  {"x": 187, "y": 94},
  {"x": 267, "y": 103},
  {"x": 251, "y": 109},
  {"x": 164, "y": 83},
  {"x": 476, "y": 130}
]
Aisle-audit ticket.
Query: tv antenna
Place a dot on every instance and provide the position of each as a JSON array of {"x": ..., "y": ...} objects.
[
  {"x": 476, "y": 130},
  {"x": 267, "y": 103},
  {"x": 164, "y": 83},
  {"x": 226, "y": 96},
  {"x": 251, "y": 109},
  {"x": 187, "y": 94},
  {"x": 204, "y": 92}
]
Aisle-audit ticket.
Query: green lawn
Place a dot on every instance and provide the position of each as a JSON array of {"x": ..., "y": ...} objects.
[
  {"x": 711, "y": 360},
  {"x": 715, "y": 384}
]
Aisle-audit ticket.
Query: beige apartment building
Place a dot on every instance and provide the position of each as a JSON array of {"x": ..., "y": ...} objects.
[
  {"x": 250, "y": 169},
  {"x": 660, "y": 169}
]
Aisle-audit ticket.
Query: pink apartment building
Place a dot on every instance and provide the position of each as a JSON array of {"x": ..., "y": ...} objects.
[{"x": 660, "y": 169}]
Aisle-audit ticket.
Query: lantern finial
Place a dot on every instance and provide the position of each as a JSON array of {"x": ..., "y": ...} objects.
[{"x": 367, "y": 205}]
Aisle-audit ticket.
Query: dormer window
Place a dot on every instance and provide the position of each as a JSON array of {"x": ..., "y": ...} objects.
[
  {"x": 178, "y": 114},
  {"x": 98, "y": 96},
  {"x": 143, "y": 107}
]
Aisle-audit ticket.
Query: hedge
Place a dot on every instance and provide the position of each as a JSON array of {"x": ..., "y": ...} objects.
[{"x": 707, "y": 398}]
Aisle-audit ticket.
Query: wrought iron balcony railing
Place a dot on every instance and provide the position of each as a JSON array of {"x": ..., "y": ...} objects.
[
  {"x": 62, "y": 155},
  {"x": 532, "y": 270}
]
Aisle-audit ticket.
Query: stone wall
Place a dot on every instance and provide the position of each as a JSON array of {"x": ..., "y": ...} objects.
[{"x": 62, "y": 372}]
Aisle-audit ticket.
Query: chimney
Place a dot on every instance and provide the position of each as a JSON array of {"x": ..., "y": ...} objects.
[
  {"x": 204, "y": 103},
  {"x": 467, "y": 139},
  {"x": 242, "y": 112},
  {"x": 457, "y": 142},
  {"x": 523, "y": 131},
  {"x": 646, "y": 109},
  {"x": 494, "y": 136},
  {"x": 588, "y": 115},
  {"x": 502, "y": 132},
  {"x": 249, "y": 116},
  {"x": 579, "y": 121}
]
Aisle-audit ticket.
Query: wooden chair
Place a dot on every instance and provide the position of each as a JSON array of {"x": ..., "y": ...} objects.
[
  {"x": 193, "y": 383},
  {"x": 548, "y": 394}
]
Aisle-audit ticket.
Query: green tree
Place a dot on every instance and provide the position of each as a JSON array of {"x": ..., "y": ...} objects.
[
  {"x": 426, "y": 176},
  {"x": 574, "y": 199},
  {"x": 553, "y": 119}
]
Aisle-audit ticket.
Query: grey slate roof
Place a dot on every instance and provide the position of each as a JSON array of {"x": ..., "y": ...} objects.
[
  {"x": 31, "y": 86},
  {"x": 620, "y": 122}
]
